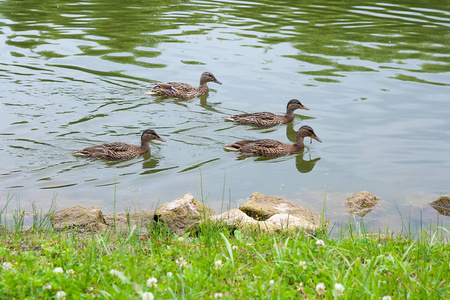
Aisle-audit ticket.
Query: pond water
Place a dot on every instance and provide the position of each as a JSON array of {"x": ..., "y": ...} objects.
[{"x": 376, "y": 77}]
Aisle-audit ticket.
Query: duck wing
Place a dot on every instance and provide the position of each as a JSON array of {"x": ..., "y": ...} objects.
[
  {"x": 173, "y": 89},
  {"x": 180, "y": 86},
  {"x": 109, "y": 150},
  {"x": 264, "y": 147},
  {"x": 118, "y": 147},
  {"x": 261, "y": 119}
]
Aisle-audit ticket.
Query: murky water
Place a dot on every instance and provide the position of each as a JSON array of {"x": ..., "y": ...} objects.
[{"x": 375, "y": 76}]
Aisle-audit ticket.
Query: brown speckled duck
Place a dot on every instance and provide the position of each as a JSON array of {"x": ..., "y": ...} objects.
[
  {"x": 268, "y": 119},
  {"x": 119, "y": 150},
  {"x": 184, "y": 90},
  {"x": 273, "y": 148}
]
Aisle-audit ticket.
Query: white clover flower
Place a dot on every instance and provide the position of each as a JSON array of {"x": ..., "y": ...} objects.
[
  {"x": 320, "y": 288},
  {"x": 47, "y": 287},
  {"x": 114, "y": 272},
  {"x": 147, "y": 296},
  {"x": 152, "y": 282},
  {"x": 58, "y": 270},
  {"x": 90, "y": 289},
  {"x": 339, "y": 289},
  {"x": 7, "y": 265},
  {"x": 386, "y": 298},
  {"x": 180, "y": 239},
  {"x": 302, "y": 264},
  {"x": 169, "y": 274},
  {"x": 271, "y": 282},
  {"x": 61, "y": 295},
  {"x": 320, "y": 243},
  {"x": 181, "y": 262},
  {"x": 70, "y": 272},
  {"x": 218, "y": 295},
  {"x": 235, "y": 247},
  {"x": 300, "y": 286},
  {"x": 218, "y": 264}
]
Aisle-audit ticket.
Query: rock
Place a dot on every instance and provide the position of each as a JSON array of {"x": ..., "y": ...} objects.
[
  {"x": 292, "y": 223},
  {"x": 181, "y": 213},
  {"x": 233, "y": 217},
  {"x": 262, "y": 207},
  {"x": 125, "y": 221},
  {"x": 442, "y": 205},
  {"x": 361, "y": 203},
  {"x": 237, "y": 219},
  {"x": 80, "y": 218}
]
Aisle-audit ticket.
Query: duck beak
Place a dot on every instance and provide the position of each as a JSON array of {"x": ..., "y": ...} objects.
[
  {"x": 316, "y": 138},
  {"x": 217, "y": 81},
  {"x": 160, "y": 139},
  {"x": 304, "y": 107}
]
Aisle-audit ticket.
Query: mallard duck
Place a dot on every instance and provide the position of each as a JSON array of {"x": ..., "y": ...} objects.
[
  {"x": 184, "y": 90},
  {"x": 119, "y": 150},
  {"x": 274, "y": 148},
  {"x": 268, "y": 119}
]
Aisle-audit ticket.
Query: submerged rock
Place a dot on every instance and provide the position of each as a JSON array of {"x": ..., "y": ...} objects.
[
  {"x": 79, "y": 218},
  {"x": 262, "y": 207},
  {"x": 181, "y": 213},
  {"x": 125, "y": 221},
  {"x": 442, "y": 205},
  {"x": 361, "y": 203}
]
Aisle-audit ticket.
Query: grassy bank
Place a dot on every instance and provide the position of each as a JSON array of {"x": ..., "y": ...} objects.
[{"x": 39, "y": 263}]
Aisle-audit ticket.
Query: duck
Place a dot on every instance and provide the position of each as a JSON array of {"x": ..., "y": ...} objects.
[
  {"x": 184, "y": 90},
  {"x": 120, "y": 150},
  {"x": 274, "y": 148},
  {"x": 268, "y": 119}
]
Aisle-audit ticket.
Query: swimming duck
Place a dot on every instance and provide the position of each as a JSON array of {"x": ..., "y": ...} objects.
[
  {"x": 268, "y": 119},
  {"x": 119, "y": 150},
  {"x": 274, "y": 148},
  {"x": 184, "y": 90}
]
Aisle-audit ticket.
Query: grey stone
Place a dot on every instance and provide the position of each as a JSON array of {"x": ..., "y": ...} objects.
[
  {"x": 262, "y": 207},
  {"x": 79, "y": 218},
  {"x": 181, "y": 213},
  {"x": 442, "y": 205},
  {"x": 125, "y": 221},
  {"x": 361, "y": 203}
]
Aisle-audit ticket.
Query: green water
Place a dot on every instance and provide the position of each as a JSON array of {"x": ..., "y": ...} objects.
[{"x": 376, "y": 77}]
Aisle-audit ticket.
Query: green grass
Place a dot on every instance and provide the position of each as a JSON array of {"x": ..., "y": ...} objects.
[{"x": 223, "y": 262}]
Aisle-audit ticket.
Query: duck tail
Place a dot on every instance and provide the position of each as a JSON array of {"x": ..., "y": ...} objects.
[
  {"x": 232, "y": 147},
  {"x": 79, "y": 153},
  {"x": 151, "y": 92},
  {"x": 230, "y": 119}
]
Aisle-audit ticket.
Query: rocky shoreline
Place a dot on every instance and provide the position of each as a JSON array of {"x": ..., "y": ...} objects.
[{"x": 186, "y": 214}]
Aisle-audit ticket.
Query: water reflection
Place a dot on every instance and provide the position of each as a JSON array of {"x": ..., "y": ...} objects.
[
  {"x": 209, "y": 106},
  {"x": 184, "y": 102},
  {"x": 305, "y": 166}
]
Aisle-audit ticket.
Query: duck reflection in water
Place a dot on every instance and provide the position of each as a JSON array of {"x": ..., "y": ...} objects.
[{"x": 305, "y": 166}]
